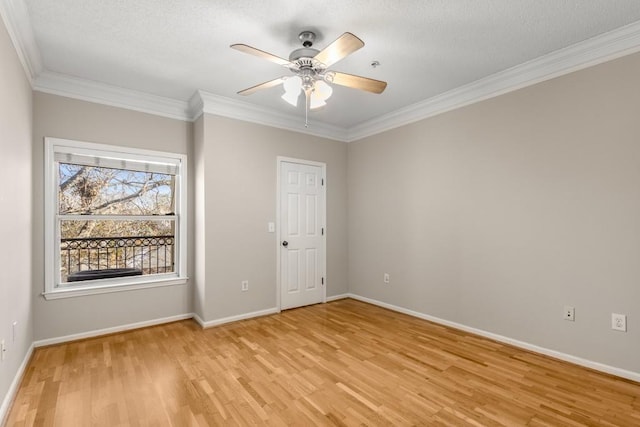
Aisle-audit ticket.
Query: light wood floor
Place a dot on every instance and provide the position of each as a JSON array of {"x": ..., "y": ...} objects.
[{"x": 342, "y": 363}]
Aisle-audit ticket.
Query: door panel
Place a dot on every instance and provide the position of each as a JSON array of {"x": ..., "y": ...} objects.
[
  {"x": 311, "y": 256},
  {"x": 293, "y": 272},
  {"x": 302, "y": 213},
  {"x": 293, "y": 214}
]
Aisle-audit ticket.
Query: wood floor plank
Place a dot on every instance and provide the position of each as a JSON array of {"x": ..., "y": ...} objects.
[{"x": 344, "y": 363}]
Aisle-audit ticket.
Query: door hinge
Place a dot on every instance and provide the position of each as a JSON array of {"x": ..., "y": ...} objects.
[
  {"x": 322, "y": 181},
  {"x": 323, "y": 280},
  {"x": 322, "y": 230}
]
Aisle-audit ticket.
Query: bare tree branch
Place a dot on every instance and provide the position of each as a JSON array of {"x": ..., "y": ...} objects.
[
  {"x": 72, "y": 178},
  {"x": 145, "y": 188}
]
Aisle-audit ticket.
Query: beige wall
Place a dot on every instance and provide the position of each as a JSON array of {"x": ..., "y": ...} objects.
[
  {"x": 15, "y": 210},
  {"x": 494, "y": 216},
  {"x": 200, "y": 220},
  {"x": 61, "y": 117},
  {"x": 497, "y": 215},
  {"x": 230, "y": 206},
  {"x": 240, "y": 199}
]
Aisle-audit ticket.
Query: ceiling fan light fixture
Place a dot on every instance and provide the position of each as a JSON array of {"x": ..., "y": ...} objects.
[
  {"x": 320, "y": 93},
  {"x": 292, "y": 88},
  {"x": 322, "y": 90},
  {"x": 291, "y": 98},
  {"x": 316, "y": 102},
  {"x": 311, "y": 73}
]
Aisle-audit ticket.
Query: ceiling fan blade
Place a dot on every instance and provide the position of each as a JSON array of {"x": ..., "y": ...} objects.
[
  {"x": 261, "y": 86},
  {"x": 261, "y": 54},
  {"x": 344, "y": 45},
  {"x": 358, "y": 82}
]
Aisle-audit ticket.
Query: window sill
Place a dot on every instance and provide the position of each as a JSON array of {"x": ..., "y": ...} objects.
[{"x": 84, "y": 290}]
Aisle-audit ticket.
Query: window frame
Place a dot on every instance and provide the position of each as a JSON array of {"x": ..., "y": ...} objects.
[{"x": 52, "y": 288}]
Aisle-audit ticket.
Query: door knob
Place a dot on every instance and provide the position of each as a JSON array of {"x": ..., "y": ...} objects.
[{"x": 285, "y": 243}]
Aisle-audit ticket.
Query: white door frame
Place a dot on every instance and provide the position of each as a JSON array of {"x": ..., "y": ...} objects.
[{"x": 323, "y": 267}]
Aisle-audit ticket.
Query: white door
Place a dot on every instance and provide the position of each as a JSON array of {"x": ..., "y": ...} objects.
[{"x": 302, "y": 236}]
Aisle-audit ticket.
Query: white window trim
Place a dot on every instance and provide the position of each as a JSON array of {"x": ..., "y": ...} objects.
[{"x": 52, "y": 241}]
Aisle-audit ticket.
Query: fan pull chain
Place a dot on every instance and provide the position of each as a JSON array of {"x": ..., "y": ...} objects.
[{"x": 306, "y": 108}]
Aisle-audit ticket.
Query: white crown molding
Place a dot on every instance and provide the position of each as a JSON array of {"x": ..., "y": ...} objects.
[
  {"x": 16, "y": 18},
  {"x": 87, "y": 90},
  {"x": 602, "y": 48},
  {"x": 204, "y": 102},
  {"x": 195, "y": 106},
  {"x": 201, "y": 102},
  {"x": 605, "y": 47}
]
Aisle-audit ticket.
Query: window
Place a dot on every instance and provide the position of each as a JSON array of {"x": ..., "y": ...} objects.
[{"x": 114, "y": 218}]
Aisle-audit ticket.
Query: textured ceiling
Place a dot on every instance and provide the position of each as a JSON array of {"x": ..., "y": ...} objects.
[{"x": 425, "y": 47}]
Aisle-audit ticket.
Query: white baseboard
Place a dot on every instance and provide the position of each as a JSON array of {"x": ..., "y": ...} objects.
[
  {"x": 198, "y": 320},
  {"x": 13, "y": 388},
  {"x": 244, "y": 316},
  {"x": 266, "y": 312},
  {"x": 634, "y": 376},
  {"x": 337, "y": 297},
  {"x": 115, "y": 329}
]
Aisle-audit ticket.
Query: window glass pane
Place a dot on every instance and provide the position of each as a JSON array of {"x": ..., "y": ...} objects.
[
  {"x": 104, "y": 191},
  {"x": 115, "y": 228},
  {"x": 140, "y": 247}
]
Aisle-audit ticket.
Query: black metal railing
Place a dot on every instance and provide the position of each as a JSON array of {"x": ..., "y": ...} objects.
[{"x": 148, "y": 254}]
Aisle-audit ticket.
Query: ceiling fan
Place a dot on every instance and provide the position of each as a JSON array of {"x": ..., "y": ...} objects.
[{"x": 310, "y": 68}]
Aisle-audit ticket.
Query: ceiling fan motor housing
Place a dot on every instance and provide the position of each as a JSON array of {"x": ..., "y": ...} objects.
[
  {"x": 303, "y": 57},
  {"x": 303, "y": 53},
  {"x": 307, "y": 38}
]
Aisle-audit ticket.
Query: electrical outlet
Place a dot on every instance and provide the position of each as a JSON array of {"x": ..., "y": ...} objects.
[
  {"x": 569, "y": 313},
  {"x": 3, "y": 350},
  {"x": 386, "y": 278},
  {"x": 619, "y": 322},
  {"x": 244, "y": 286}
]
